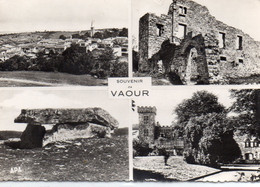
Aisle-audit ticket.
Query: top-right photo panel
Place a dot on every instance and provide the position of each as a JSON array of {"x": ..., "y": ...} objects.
[{"x": 196, "y": 42}]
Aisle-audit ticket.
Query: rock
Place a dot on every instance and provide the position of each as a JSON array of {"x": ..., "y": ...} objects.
[
  {"x": 32, "y": 137},
  {"x": 65, "y": 132},
  {"x": 67, "y": 116}
]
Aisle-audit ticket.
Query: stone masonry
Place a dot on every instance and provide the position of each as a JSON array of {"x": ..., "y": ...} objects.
[
  {"x": 228, "y": 52},
  {"x": 147, "y": 124}
]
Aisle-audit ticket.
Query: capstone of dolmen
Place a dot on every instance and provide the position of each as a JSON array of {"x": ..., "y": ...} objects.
[{"x": 66, "y": 116}]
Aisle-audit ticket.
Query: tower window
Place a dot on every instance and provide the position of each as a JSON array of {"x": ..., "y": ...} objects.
[
  {"x": 146, "y": 132},
  {"x": 182, "y": 10},
  {"x": 182, "y": 31},
  {"x": 239, "y": 43},
  {"x": 222, "y": 40},
  {"x": 160, "y": 29},
  {"x": 146, "y": 119},
  {"x": 223, "y": 58}
]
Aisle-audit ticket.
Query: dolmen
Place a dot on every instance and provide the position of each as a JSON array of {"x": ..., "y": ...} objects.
[{"x": 67, "y": 124}]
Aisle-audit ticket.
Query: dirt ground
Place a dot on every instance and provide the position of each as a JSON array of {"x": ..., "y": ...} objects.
[
  {"x": 95, "y": 159},
  {"x": 177, "y": 168}
]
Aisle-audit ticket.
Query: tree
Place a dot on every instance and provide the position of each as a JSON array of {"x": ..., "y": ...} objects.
[
  {"x": 98, "y": 35},
  {"x": 206, "y": 129},
  {"x": 118, "y": 69},
  {"x": 209, "y": 140},
  {"x": 76, "y": 36},
  {"x": 102, "y": 64},
  {"x": 201, "y": 103},
  {"x": 141, "y": 148},
  {"x": 123, "y": 32},
  {"x": 62, "y": 37},
  {"x": 247, "y": 106}
]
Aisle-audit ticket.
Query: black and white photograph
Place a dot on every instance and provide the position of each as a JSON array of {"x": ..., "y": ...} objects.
[
  {"x": 62, "y": 42},
  {"x": 63, "y": 135},
  {"x": 196, "y": 134},
  {"x": 196, "y": 42}
]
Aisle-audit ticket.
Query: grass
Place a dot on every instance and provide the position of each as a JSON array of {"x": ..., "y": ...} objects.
[
  {"x": 178, "y": 169},
  {"x": 94, "y": 159},
  {"x": 38, "y": 78}
]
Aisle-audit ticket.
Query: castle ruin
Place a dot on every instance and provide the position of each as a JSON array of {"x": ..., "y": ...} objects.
[{"x": 190, "y": 43}]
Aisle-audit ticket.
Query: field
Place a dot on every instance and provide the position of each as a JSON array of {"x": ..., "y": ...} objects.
[
  {"x": 177, "y": 168},
  {"x": 37, "y": 78},
  {"x": 94, "y": 159}
]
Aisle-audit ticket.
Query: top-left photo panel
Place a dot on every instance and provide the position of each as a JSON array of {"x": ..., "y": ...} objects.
[{"x": 62, "y": 42}]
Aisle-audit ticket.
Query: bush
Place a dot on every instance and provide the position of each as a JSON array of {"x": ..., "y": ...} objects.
[{"x": 141, "y": 148}]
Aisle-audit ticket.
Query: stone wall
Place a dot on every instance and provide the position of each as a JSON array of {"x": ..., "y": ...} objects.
[
  {"x": 223, "y": 62},
  {"x": 150, "y": 40}
]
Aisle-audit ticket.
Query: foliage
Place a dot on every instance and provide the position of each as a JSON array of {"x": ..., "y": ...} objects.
[
  {"x": 15, "y": 63},
  {"x": 123, "y": 32},
  {"x": 201, "y": 103},
  {"x": 206, "y": 129},
  {"x": 119, "y": 69},
  {"x": 108, "y": 33},
  {"x": 62, "y": 37},
  {"x": 141, "y": 148},
  {"x": 209, "y": 140},
  {"x": 74, "y": 60},
  {"x": 246, "y": 104}
]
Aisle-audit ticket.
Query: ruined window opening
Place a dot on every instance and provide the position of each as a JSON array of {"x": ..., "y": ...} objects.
[
  {"x": 222, "y": 40},
  {"x": 181, "y": 31},
  {"x": 247, "y": 143},
  {"x": 160, "y": 29},
  {"x": 146, "y": 119},
  {"x": 239, "y": 43},
  {"x": 182, "y": 10},
  {"x": 241, "y": 61},
  {"x": 146, "y": 132},
  {"x": 256, "y": 143},
  {"x": 223, "y": 58}
]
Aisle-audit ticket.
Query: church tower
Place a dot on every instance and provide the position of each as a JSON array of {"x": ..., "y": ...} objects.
[
  {"x": 147, "y": 124},
  {"x": 92, "y": 29}
]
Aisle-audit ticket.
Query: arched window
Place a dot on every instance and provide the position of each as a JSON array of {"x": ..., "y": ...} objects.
[{"x": 247, "y": 143}]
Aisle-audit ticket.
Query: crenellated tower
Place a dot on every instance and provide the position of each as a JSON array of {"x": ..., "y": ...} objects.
[{"x": 147, "y": 124}]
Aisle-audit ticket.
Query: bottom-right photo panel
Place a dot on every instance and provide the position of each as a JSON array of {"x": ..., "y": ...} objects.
[{"x": 197, "y": 134}]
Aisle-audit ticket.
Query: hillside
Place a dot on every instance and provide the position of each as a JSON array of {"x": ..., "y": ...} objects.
[
  {"x": 32, "y": 37},
  {"x": 5, "y": 135}
]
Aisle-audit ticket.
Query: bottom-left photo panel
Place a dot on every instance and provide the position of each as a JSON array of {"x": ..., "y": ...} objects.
[{"x": 63, "y": 135}]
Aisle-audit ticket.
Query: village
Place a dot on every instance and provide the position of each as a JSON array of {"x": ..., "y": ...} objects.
[{"x": 30, "y": 44}]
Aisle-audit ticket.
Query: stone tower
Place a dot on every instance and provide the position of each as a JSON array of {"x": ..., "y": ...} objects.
[
  {"x": 147, "y": 124},
  {"x": 92, "y": 29}
]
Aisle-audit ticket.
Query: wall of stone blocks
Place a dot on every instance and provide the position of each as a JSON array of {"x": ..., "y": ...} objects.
[{"x": 198, "y": 20}]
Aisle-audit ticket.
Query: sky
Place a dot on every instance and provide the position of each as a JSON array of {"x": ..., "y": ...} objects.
[
  {"x": 242, "y": 14},
  {"x": 168, "y": 99},
  {"x": 64, "y": 15},
  {"x": 12, "y": 101}
]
